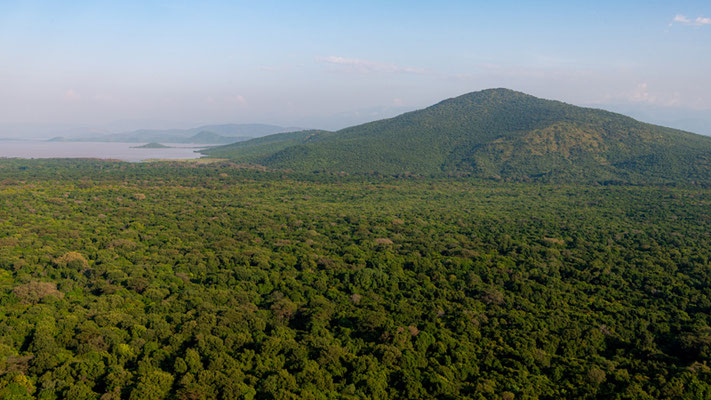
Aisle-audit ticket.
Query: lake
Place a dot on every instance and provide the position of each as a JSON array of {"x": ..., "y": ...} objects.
[{"x": 103, "y": 150}]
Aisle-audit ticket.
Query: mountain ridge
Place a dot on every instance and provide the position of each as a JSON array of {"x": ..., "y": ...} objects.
[
  {"x": 214, "y": 134},
  {"x": 501, "y": 134}
]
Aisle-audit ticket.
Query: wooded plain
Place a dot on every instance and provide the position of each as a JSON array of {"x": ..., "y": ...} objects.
[{"x": 209, "y": 280}]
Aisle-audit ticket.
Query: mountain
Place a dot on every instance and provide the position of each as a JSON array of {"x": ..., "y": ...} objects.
[
  {"x": 153, "y": 145},
  {"x": 214, "y": 134},
  {"x": 255, "y": 150},
  {"x": 207, "y": 137},
  {"x": 353, "y": 117},
  {"x": 495, "y": 133}
]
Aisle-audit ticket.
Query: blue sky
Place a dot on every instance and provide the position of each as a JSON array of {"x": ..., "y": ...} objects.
[{"x": 325, "y": 63}]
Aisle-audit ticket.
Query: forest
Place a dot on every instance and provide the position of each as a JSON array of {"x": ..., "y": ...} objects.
[{"x": 189, "y": 280}]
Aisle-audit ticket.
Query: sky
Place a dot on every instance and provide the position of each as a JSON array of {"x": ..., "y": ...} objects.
[{"x": 325, "y": 64}]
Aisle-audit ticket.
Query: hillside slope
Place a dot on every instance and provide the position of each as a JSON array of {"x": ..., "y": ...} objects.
[
  {"x": 500, "y": 133},
  {"x": 255, "y": 150}
]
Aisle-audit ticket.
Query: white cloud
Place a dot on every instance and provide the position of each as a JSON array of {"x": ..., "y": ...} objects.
[
  {"x": 684, "y": 20},
  {"x": 641, "y": 94},
  {"x": 368, "y": 66},
  {"x": 681, "y": 19}
]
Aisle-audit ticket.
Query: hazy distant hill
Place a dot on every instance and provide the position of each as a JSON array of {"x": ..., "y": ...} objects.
[
  {"x": 697, "y": 121},
  {"x": 208, "y": 134},
  {"x": 153, "y": 145},
  {"x": 207, "y": 137},
  {"x": 496, "y": 133}
]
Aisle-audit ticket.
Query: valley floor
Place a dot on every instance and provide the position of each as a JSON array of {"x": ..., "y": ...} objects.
[{"x": 192, "y": 281}]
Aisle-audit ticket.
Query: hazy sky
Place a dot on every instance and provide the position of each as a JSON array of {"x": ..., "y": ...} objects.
[{"x": 297, "y": 63}]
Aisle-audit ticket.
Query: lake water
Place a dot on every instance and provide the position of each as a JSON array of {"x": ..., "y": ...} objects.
[{"x": 103, "y": 150}]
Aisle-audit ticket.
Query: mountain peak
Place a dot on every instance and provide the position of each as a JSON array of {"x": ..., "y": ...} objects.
[
  {"x": 504, "y": 134},
  {"x": 499, "y": 94},
  {"x": 496, "y": 93}
]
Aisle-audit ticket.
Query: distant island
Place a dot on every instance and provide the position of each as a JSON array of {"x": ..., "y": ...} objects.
[{"x": 152, "y": 145}]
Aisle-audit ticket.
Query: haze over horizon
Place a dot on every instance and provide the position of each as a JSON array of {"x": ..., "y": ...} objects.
[{"x": 176, "y": 64}]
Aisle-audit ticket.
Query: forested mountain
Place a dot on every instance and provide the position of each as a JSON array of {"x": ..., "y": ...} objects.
[
  {"x": 255, "y": 150},
  {"x": 498, "y": 133}
]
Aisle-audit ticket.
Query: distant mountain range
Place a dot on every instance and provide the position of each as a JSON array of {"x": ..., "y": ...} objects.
[
  {"x": 496, "y": 133},
  {"x": 697, "y": 121},
  {"x": 207, "y": 134}
]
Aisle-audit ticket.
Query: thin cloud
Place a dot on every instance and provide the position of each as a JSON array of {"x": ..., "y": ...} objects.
[
  {"x": 684, "y": 20},
  {"x": 103, "y": 97},
  {"x": 642, "y": 94},
  {"x": 234, "y": 99},
  {"x": 237, "y": 99},
  {"x": 367, "y": 66},
  {"x": 72, "y": 95}
]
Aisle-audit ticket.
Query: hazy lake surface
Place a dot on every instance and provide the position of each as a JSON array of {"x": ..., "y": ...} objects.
[{"x": 104, "y": 150}]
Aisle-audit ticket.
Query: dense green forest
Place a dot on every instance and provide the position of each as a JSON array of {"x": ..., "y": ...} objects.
[
  {"x": 495, "y": 133},
  {"x": 210, "y": 281}
]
